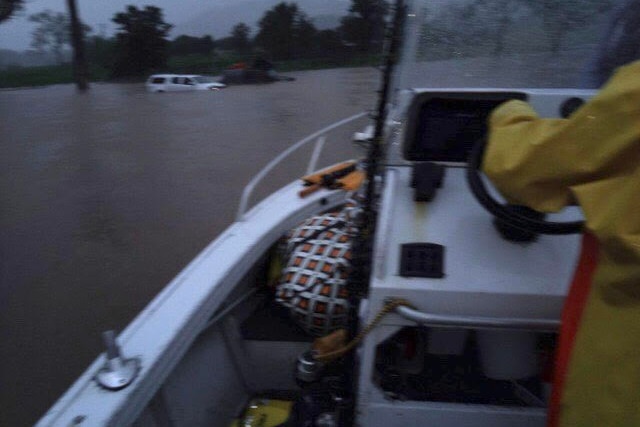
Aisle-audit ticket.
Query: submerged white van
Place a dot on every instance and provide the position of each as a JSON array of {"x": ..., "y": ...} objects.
[{"x": 181, "y": 82}]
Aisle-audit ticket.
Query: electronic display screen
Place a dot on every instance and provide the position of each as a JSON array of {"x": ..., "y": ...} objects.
[{"x": 448, "y": 128}]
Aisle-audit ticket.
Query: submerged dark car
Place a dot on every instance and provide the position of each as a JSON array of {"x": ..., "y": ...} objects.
[
  {"x": 249, "y": 76},
  {"x": 261, "y": 71}
]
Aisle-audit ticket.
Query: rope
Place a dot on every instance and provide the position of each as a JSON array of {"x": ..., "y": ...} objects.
[{"x": 386, "y": 309}]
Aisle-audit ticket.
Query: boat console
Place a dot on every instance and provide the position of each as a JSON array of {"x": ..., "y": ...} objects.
[{"x": 486, "y": 303}]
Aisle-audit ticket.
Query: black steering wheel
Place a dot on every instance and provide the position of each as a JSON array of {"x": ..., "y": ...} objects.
[{"x": 503, "y": 212}]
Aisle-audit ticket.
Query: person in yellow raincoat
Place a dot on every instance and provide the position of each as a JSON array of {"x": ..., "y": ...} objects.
[{"x": 592, "y": 157}]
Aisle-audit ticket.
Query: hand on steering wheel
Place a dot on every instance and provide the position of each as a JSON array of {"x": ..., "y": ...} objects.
[{"x": 503, "y": 212}]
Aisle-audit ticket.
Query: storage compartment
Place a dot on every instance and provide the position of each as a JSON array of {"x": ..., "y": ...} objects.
[
  {"x": 507, "y": 355},
  {"x": 457, "y": 366}
]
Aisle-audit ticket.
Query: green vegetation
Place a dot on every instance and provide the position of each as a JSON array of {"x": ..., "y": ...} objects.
[
  {"x": 53, "y": 32},
  {"x": 192, "y": 64},
  {"x": 322, "y": 63},
  {"x": 36, "y": 76},
  {"x": 285, "y": 33},
  {"x": 46, "y": 75},
  {"x": 141, "y": 41},
  {"x": 9, "y": 7},
  {"x": 196, "y": 64},
  {"x": 286, "y": 37}
]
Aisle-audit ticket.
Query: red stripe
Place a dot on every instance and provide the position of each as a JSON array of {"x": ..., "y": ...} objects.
[{"x": 571, "y": 316}]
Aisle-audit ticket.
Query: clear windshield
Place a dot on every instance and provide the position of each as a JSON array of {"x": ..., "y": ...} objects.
[{"x": 518, "y": 43}]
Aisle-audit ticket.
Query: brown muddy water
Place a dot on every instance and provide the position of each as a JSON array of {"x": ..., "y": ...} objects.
[{"x": 105, "y": 196}]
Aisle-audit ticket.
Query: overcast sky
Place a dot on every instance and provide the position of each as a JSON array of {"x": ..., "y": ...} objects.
[{"x": 16, "y": 33}]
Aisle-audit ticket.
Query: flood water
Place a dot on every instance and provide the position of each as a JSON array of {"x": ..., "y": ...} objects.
[{"x": 105, "y": 196}]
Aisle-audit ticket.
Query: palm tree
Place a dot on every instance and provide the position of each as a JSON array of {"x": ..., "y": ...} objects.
[{"x": 80, "y": 72}]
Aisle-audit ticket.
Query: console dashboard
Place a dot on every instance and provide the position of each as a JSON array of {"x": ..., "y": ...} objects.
[{"x": 444, "y": 126}]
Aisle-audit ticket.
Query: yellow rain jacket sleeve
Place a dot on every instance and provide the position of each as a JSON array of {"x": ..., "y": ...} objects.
[{"x": 592, "y": 157}]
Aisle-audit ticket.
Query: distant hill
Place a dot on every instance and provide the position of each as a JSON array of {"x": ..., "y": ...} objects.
[{"x": 220, "y": 18}]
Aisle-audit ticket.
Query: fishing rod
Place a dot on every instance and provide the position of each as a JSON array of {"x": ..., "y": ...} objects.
[
  {"x": 358, "y": 282},
  {"x": 392, "y": 42},
  {"x": 364, "y": 243}
]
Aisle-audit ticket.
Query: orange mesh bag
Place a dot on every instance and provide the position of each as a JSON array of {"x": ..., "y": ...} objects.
[{"x": 318, "y": 260}]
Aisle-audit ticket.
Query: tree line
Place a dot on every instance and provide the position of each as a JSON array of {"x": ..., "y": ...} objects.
[
  {"x": 9, "y": 7},
  {"x": 285, "y": 32},
  {"x": 141, "y": 43}
]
